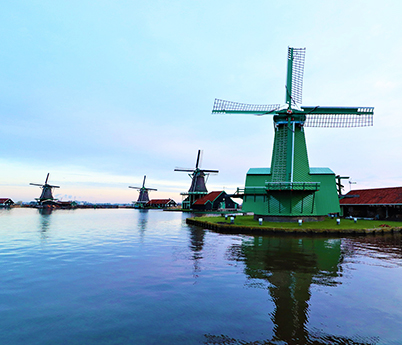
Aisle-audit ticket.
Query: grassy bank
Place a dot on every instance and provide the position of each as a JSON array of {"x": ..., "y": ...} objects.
[{"x": 247, "y": 223}]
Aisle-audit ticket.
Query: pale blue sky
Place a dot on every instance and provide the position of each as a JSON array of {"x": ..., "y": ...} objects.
[{"x": 100, "y": 93}]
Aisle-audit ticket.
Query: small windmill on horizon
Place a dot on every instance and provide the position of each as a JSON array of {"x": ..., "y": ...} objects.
[
  {"x": 143, "y": 197},
  {"x": 46, "y": 198},
  {"x": 198, "y": 184},
  {"x": 290, "y": 187}
]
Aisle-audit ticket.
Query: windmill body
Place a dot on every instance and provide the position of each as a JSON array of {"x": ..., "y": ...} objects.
[
  {"x": 143, "y": 197},
  {"x": 290, "y": 189},
  {"x": 198, "y": 187},
  {"x": 198, "y": 182},
  {"x": 46, "y": 198}
]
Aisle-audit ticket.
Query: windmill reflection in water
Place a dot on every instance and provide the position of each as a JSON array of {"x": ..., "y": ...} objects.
[{"x": 287, "y": 268}]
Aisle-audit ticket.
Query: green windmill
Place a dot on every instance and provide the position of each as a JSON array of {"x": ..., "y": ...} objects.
[{"x": 290, "y": 189}]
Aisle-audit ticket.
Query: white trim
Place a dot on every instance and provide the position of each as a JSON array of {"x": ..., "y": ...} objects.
[{"x": 293, "y": 153}]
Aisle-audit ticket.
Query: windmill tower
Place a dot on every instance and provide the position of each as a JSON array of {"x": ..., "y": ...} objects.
[
  {"x": 143, "y": 198},
  {"x": 290, "y": 189},
  {"x": 46, "y": 197},
  {"x": 197, "y": 189}
]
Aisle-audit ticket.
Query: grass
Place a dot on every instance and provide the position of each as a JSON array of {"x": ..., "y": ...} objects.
[{"x": 328, "y": 223}]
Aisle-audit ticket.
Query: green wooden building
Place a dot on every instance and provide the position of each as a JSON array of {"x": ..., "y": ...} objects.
[{"x": 312, "y": 196}]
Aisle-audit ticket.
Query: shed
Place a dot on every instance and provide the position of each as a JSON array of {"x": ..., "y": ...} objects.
[{"x": 379, "y": 203}]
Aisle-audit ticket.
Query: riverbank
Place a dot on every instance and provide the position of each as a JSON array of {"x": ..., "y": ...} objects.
[
  {"x": 229, "y": 212},
  {"x": 247, "y": 225}
]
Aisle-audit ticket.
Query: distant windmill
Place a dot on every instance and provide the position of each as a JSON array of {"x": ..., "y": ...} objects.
[
  {"x": 46, "y": 197},
  {"x": 290, "y": 188},
  {"x": 143, "y": 198},
  {"x": 197, "y": 188}
]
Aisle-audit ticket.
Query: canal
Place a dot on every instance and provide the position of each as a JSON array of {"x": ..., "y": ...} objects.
[{"x": 125, "y": 276}]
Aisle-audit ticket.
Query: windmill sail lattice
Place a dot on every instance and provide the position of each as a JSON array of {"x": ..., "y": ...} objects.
[
  {"x": 294, "y": 84},
  {"x": 290, "y": 187},
  {"x": 221, "y": 107},
  {"x": 353, "y": 117}
]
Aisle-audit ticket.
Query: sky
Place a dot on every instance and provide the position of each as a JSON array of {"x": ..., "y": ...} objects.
[{"x": 99, "y": 93}]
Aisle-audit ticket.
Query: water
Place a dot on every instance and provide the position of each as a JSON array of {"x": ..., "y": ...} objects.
[{"x": 125, "y": 276}]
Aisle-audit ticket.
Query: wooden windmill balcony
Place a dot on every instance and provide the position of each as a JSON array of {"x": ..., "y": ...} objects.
[
  {"x": 279, "y": 186},
  {"x": 194, "y": 193},
  {"x": 303, "y": 186}
]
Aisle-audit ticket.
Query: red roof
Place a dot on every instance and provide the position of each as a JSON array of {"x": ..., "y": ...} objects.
[
  {"x": 3, "y": 200},
  {"x": 64, "y": 202},
  {"x": 377, "y": 196},
  {"x": 209, "y": 197},
  {"x": 158, "y": 201}
]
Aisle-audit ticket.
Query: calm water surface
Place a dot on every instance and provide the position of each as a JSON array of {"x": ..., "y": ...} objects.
[{"x": 126, "y": 276}]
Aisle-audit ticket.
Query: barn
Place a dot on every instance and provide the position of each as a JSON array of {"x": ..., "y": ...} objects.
[
  {"x": 378, "y": 203},
  {"x": 161, "y": 203},
  {"x": 6, "y": 202},
  {"x": 215, "y": 201}
]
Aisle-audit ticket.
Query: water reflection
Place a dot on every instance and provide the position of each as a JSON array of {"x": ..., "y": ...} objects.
[
  {"x": 385, "y": 247},
  {"x": 44, "y": 222},
  {"x": 289, "y": 266},
  {"x": 197, "y": 235},
  {"x": 321, "y": 340},
  {"x": 143, "y": 215},
  {"x": 45, "y": 211}
]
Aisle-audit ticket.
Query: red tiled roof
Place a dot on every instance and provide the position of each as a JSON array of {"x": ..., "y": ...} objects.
[
  {"x": 3, "y": 200},
  {"x": 209, "y": 197},
  {"x": 158, "y": 201},
  {"x": 377, "y": 196}
]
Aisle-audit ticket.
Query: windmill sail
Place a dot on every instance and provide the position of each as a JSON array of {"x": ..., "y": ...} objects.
[
  {"x": 227, "y": 107},
  {"x": 338, "y": 116},
  {"x": 294, "y": 80},
  {"x": 199, "y": 157}
]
